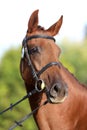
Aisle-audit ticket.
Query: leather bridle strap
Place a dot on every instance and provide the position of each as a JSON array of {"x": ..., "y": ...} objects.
[
  {"x": 38, "y": 36},
  {"x": 47, "y": 66},
  {"x": 34, "y": 74},
  {"x": 19, "y": 101},
  {"x": 19, "y": 123},
  {"x": 30, "y": 63}
]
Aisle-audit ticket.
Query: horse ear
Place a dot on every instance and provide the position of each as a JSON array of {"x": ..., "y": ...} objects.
[
  {"x": 33, "y": 21},
  {"x": 54, "y": 29}
]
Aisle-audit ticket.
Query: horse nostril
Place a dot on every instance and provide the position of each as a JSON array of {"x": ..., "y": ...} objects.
[
  {"x": 58, "y": 92},
  {"x": 56, "y": 88}
]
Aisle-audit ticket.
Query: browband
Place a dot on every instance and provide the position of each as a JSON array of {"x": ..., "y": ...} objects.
[{"x": 39, "y": 36}]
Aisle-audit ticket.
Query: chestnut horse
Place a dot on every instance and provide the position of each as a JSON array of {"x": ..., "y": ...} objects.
[{"x": 67, "y": 98}]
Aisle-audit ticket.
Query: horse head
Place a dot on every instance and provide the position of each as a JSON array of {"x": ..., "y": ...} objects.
[{"x": 40, "y": 64}]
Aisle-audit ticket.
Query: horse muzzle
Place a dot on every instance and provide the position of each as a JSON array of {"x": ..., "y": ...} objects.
[{"x": 58, "y": 92}]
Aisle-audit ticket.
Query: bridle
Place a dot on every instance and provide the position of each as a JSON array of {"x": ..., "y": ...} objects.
[
  {"x": 25, "y": 51},
  {"x": 39, "y": 83}
]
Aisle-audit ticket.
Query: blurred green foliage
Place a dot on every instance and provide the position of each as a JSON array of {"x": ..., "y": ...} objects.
[{"x": 73, "y": 56}]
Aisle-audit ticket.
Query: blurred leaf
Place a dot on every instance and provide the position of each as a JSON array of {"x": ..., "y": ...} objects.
[{"x": 74, "y": 57}]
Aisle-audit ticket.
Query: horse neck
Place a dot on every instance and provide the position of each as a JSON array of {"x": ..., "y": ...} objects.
[{"x": 48, "y": 115}]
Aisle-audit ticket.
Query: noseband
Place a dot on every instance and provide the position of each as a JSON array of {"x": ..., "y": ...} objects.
[{"x": 25, "y": 51}]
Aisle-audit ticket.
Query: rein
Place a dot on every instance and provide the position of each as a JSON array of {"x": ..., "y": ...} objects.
[
  {"x": 39, "y": 83},
  {"x": 19, "y": 101},
  {"x": 19, "y": 123}
]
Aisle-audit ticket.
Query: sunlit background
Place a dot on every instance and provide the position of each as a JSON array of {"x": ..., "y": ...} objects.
[
  {"x": 72, "y": 39},
  {"x": 14, "y": 17}
]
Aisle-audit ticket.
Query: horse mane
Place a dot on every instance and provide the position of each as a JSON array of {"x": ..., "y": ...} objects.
[
  {"x": 40, "y": 28},
  {"x": 75, "y": 78}
]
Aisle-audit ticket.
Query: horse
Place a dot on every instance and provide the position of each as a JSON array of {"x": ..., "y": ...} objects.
[{"x": 66, "y": 107}]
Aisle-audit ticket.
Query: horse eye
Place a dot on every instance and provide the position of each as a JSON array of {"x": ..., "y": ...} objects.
[{"x": 34, "y": 50}]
